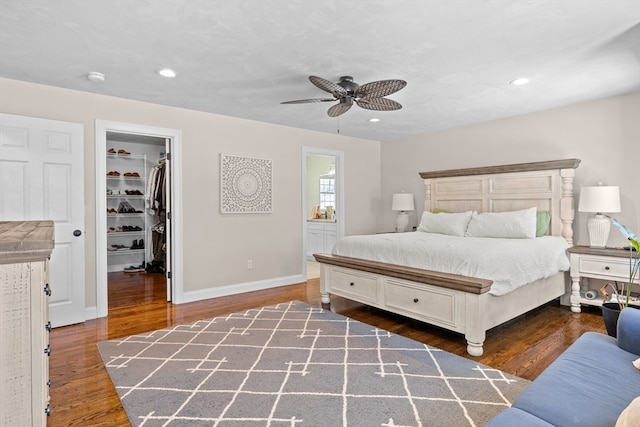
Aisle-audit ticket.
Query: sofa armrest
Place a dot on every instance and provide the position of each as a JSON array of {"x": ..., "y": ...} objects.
[{"x": 629, "y": 330}]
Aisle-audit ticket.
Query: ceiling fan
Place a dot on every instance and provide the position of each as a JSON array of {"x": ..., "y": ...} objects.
[{"x": 369, "y": 96}]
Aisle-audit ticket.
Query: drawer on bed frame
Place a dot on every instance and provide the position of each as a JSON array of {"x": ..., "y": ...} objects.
[
  {"x": 363, "y": 286},
  {"x": 435, "y": 305}
]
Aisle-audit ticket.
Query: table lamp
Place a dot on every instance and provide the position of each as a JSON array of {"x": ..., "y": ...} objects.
[
  {"x": 402, "y": 202},
  {"x": 601, "y": 199}
]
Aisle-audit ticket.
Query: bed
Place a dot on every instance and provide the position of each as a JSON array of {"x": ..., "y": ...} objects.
[{"x": 463, "y": 303}]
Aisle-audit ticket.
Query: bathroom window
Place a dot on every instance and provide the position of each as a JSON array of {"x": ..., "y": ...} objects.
[{"x": 327, "y": 192}]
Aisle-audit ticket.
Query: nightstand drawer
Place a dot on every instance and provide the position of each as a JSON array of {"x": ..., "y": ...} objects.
[{"x": 611, "y": 267}]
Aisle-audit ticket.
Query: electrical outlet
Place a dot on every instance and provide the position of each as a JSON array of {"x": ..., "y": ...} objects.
[{"x": 249, "y": 264}]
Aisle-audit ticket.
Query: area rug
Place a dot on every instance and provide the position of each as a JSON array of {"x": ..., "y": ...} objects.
[{"x": 293, "y": 364}]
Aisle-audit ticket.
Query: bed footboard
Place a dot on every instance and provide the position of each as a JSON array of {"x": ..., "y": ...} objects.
[{"x": 457, "y": 303}]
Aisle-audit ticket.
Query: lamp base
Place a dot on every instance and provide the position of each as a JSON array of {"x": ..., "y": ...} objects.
[
  {"x": 598, "y": 227},
  {"x": 402, "y": 222}
]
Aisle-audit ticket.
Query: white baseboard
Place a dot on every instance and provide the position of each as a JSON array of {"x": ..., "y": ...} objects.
[
  {"x": 220, "y": 291},
  {"x": 90, "y": 313}
]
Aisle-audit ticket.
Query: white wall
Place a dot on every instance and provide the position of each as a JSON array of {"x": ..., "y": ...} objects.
[
  {"x": 216, "y": 246},
  {"x": 604, "y": 134}
]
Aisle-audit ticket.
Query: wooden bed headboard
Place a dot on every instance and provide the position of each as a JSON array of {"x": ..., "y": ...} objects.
[{"x": 548, "y": 186}]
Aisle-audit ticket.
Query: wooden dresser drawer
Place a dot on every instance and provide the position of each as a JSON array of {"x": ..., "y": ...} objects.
[
  {"x": 362, "y": 286},
  {"x": 418, "y": 299},
  {"x": 610, "y": 267}
]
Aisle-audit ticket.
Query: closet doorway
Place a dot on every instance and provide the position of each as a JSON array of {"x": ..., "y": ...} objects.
[
  {"x": 322, "y": 204},
  {"x": 138, "y": 205}
]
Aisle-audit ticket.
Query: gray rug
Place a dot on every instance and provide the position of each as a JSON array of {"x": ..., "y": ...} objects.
[{"x": 297, "y": 365}]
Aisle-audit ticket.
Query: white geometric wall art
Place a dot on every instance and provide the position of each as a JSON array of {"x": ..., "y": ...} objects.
[{"x": 245, "y": 185}]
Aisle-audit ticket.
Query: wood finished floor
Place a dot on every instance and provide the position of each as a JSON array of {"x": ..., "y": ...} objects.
[{"x": 82, "y": 393}]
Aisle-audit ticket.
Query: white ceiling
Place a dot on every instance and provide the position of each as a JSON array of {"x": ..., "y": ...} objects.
[{"x": 242, "y": 58}]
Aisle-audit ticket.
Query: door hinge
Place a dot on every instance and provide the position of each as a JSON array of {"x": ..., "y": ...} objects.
[
  {"x": 168, "y": 275},
  {"x": 168, "y": 156},
  {"x": 168, "y": 215}
]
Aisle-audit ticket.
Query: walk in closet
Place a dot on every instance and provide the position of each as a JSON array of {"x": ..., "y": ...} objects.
[{"x": 136, "y": 198}]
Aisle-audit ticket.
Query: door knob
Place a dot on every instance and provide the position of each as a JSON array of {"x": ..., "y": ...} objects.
[{"x": 77, "y": 233}]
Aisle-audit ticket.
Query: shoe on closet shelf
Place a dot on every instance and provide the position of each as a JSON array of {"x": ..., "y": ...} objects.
[
  {"x": 123, "y": 152},
  {"x": 112, "y": 248},
  {"x": 112, "y": 211},
  {"x": 111, "y": 151},
  {"x": 113, "y": 173},
  {"x": 141, "y": 244}
]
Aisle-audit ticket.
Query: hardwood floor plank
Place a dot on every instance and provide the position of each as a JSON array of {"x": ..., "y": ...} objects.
[{"x": 82, "y": 393}]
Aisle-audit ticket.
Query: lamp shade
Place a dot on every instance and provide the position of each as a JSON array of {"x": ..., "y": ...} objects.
[
  {"x": 600, "y": 199},
  {"x": 402, "y": 202}
]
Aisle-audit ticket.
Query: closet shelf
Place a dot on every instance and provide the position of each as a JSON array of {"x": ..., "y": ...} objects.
[
  {"x": 127, "y": 157},
  {"x": 124, "y": 196},
  {"x": 125, "y": 252},
  {"x": 125, "y": 215}
]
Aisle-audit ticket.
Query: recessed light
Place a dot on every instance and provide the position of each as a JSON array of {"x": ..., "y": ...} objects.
[
  {"x": 374, "y": 120},
  {"x": 95, "y": 77},
  {"x": 167, "y": 72},
  {"x": 520, "y": 81}
]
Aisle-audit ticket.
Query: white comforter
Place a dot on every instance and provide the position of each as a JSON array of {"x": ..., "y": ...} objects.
[{"x": 510, "y": 263}]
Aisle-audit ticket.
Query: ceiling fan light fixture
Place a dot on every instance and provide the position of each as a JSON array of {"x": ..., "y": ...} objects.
[
  {"x": 519, "y": 81},
  {"x": 166, "y": 72},
  {"x": 370, "y": 96}
]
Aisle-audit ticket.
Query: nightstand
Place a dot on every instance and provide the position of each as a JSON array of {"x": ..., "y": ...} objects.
[{"x": 597, "y": 263}]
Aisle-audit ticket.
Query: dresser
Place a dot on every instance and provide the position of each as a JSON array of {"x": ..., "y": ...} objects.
[{"x": 25, "y": 247}]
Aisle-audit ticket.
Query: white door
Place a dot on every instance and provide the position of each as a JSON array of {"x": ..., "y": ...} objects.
[{"x": 42, "y": 178}]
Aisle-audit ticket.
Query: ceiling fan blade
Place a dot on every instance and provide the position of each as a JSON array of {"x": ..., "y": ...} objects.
[
  {"x": 309, "y": 101},
  {"x": 338, "y": 109},
  {"x": 328, "y": 86},
  {"x": 378, "y": 104},
  {"x": 379, "y": 88}
]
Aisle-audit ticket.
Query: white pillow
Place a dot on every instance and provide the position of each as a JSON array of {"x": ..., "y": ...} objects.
[
  {"x": 510, "y": 225},
  {"x": 453, "y": 224}
]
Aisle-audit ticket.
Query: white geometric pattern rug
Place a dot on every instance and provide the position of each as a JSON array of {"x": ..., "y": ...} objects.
[{"x": 293, "y": 364}]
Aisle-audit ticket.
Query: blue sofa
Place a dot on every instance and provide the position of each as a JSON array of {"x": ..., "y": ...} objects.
[{"x": 590, "y": 384}]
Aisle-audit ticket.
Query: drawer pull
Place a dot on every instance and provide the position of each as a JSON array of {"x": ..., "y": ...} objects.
[
  {"x": 415, "y": 300},
  {"x": 351, "y": 284},
  {"x": 607, "y": 267}
]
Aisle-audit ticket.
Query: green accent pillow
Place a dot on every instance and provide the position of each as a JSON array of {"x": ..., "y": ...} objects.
[
  {"x": 438, "y": 210},
  {"x": 543, "y": 218}
]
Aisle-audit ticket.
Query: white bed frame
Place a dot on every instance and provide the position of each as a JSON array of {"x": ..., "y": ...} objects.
[{"x": 458, "y": 303}]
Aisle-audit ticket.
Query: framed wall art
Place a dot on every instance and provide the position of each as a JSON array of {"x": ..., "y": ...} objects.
[{"x": 245, "y": 185}]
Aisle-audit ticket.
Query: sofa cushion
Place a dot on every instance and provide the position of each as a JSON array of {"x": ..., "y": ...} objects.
[
  {"x": 589, "y": 385},
  {"x": 513, "y": 417},
  {"x": 629, "y": 330}
]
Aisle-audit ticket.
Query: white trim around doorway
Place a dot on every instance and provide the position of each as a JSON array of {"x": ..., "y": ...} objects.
[
  {"x": 101, "y": 129},
  {"x": 340, "y": 200}
]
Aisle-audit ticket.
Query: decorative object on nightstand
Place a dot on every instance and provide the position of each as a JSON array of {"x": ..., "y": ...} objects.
[
  {"x": 599, "y": 200},
  {"x": 402, "y": 202}
]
